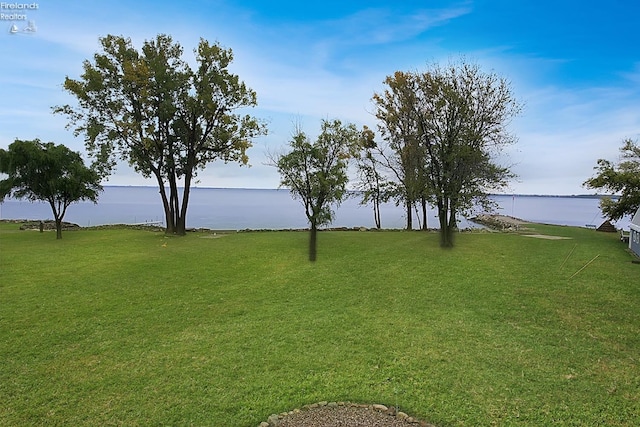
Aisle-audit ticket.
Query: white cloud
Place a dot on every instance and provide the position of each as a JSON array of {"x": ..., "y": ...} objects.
[
  {"x": 383, "y": 26},
  {"x": 564, "y": 132},
  {"x": 633, "y": 76},
  {"x": 324, "y": 69}
]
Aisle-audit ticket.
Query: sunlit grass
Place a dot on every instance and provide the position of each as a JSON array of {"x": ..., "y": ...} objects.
[{"x": 131, "y": 327}]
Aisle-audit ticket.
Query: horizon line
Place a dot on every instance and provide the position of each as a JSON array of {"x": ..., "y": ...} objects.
[{"x": 584, "y": 195}]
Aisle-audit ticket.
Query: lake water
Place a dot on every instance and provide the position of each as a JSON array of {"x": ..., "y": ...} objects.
[{"x": 237, "y": 209}]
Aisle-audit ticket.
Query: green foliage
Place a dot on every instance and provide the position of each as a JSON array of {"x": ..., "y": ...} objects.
[
  {"x": 405, "y": 161},
  {"x": 49, "y": 173},
  {"x": 150, "y": 108},
  {"x": 316, "y": 173},
  {"x": 444, "y": 128},
  {"x": 622, "y": 178},
  {"x": 128, "y": 327},
  {"x": 375, "y": 187}
]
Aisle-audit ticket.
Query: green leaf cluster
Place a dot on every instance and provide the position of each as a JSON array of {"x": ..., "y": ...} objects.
[
  {"x": 47, "y": 172},
  {"x": 444, "y": 128},
  {"x": 316, "y": 173},
  {"x": 622, "y": 179},
  {"x": 149, "y": 107}
]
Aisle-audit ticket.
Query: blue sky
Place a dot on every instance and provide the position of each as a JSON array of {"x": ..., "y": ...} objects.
[{"x": 575, "y": 66}]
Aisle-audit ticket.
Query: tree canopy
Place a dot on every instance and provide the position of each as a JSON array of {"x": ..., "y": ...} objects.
[
  {"x": 49, "y": 173},
  {"x": 444, "y": 128},
  {"x": 622, "y": 179},
  {"x": 150, "y": 108},
  {"x": 398, "y": 126},
  {"x": 375, "y": 187},
  {"x": 316, "y": 173}
]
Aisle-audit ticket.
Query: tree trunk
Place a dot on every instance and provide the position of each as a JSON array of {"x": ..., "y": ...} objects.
[
  {"x": 168, "y": 217},
  {"x": 376, "y": 199},
  {"x": 181, "y": 228},
  {"x": 453, "y": 224},
  {"x": 442, "y": 219},
  {"x": 58, "y": 214},
  {"x": 313, "y": 242},
  {"x": 376, "y": 212},
  {"x": 446, "y": 232},
  {"x": 409, "y": 215},
  {"x": 58, "y": 228},
  {"x": 425, "y": 222},
  {"x": 174, "y": 203},
  {"x": 170, "y": 225},
  {"x": 181, "y": 225},
  {"x": 447, "y": 237}
]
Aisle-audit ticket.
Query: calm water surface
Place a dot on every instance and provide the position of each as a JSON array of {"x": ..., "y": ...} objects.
[{"x": 237, "y": 209}]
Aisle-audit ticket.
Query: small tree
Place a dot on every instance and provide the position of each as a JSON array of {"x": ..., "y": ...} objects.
[
  {"x": 47, "y": 172},
  {"x": 622, "y": 179},
  {"x": 316, "y": 173},
  {"x": 374, "y": 186}
]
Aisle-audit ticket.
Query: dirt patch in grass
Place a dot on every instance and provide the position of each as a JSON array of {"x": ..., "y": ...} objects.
[
  {"x": 547, "y": 237},
  {"x": 213, "y": 236}
]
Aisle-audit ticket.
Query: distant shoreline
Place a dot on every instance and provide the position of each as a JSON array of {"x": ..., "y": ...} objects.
[{"x": 572, "y": 196}]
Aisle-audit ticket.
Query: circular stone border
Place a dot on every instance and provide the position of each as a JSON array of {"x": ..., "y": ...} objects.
[{"x": 275, "y": 420}]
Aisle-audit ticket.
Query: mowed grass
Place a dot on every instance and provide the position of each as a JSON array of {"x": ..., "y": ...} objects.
[{"x": 128, "y": 327}]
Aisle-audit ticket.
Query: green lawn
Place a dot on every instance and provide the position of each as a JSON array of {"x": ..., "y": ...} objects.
[{"x": 129, "y": 327}]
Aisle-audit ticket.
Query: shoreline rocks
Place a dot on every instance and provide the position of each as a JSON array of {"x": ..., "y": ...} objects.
[
  {"x": 45, "y": 225},
  {"x": 499, "y": 222}
]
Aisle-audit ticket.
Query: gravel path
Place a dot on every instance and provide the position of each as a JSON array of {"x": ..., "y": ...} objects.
[{"x": 344, "y": 415}]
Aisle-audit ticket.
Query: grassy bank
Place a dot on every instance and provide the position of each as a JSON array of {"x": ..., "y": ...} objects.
[{"x": 130, "y": 327}]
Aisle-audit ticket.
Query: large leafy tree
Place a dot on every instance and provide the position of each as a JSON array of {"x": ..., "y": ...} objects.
[
  {"x": 622, "y": 179},
  {"x": 150, "y": 108},
  {"x": 454, "y": 121},
  {"x": 403, "y": 154},
  {"x": 316, "y": 173},
  {"x": 47, "y": 172}
]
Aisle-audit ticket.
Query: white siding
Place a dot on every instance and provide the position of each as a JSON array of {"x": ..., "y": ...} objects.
[{"x": 634, "y": 235}]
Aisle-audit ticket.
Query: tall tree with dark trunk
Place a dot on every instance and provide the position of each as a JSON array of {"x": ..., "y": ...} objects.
[
  {"x": 47, "y": 172},
  {"x": 456, "y": 119},
  {"x": 169, "y": 121},
  {"x": 399, "y": 129},
  {"x": 316, "y": 173},
  {"x": 622, "y": 179},
  {"x": 462, "y": 116}
]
